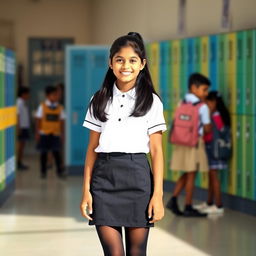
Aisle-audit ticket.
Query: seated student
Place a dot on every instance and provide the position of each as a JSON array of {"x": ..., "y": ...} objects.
[
  {"x": 187, "y": 158},
  {"x": 50, "y": 130}
]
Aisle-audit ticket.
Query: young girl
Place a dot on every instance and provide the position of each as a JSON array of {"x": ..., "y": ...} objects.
[
  {"x": 125, "y": 118},
  {"x": 220, "y": 117}
]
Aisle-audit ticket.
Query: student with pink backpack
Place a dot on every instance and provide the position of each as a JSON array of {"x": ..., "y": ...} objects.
[{"x": 191, "y": 122}]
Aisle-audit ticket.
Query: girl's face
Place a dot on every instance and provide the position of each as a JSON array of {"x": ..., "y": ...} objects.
[
  {"x": 126, "y": 65},
  {"x": 212, "y": 105}
]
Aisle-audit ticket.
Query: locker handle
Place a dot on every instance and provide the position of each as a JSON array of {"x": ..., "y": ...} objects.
[{"x": 74, "y": 118}]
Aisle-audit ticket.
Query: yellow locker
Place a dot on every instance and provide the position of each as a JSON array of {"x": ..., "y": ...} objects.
[
  {"x": 205, "y": 55},
  {"x": 232, "y": 170},
  {"x": 175, "y": 72},
  {"x": 231, "y": 71},
  {"x": 154, "y": 64}
]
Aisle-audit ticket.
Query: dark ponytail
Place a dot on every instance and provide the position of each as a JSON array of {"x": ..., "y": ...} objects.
[
  {"x": 143, "y": 85},
  {"x": 220, "y": 106}
]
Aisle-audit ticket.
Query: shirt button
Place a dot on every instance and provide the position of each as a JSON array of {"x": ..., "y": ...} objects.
[
  {"x": 119, "y": 119},
  {"x": 121, "y": 106},
  {"x": 123, "y": 95}
]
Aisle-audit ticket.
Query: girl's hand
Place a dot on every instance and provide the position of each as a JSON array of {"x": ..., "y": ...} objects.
[
  {"x": 155, "y": 209},
  {"x": 86, "y": 206}
]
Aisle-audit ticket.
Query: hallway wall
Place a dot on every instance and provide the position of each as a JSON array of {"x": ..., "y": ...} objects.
[
  {"x": 45, "y": 18},
  {"x": 157, "y": 20}
]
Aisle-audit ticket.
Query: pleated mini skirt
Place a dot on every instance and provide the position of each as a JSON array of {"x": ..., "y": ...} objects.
[{"x": 121, "y": 188}]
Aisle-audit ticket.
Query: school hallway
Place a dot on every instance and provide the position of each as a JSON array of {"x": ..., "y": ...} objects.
[{"x": 42, "y": 217}]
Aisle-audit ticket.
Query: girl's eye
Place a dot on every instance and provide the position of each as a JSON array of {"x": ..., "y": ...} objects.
[
  {"x": 133, "y": 61},
  {"x": 119, "y": 60}
]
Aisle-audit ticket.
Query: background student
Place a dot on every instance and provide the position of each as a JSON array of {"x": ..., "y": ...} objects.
[{"x": 191, "y": 159}]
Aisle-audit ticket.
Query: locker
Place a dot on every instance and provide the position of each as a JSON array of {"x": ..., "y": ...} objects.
[
  {"x": 250, "y": 45},
  {"x": 154, "y": 64},
  {"x": 204, "y": 64},
  {"x": 197, "y": 54},
  {"x": 165, "y": 146},
  {"x": 183, "y": 68},
  {"x": 240, "y": 72},
  {"x": 249, "y": 157},
  {"x": 205, "y": 56},
  {"x": 191, "y": 56},
  {"x": 213, "y": 62},
  {"x": 231, "y": 72},
  {"x": 239, "y": 154},
  {"x": 221, "y": 65},
  {"x": 175, "y": 65},
  {"x": 165, "y": 76},
  {"x": 254, "y": 141},
  {"x": 2, "y": 134},
  {"x": 86, "y": 67}
]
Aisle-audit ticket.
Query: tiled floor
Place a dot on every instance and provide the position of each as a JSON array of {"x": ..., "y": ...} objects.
[{"x": 42, "y": 218}]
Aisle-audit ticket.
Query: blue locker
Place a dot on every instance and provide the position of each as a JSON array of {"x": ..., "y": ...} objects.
[
  {"x": 213, "y": 62},
  {"x": 165, "y": 50},
  {"x": 86, "y": 67},
  {"x": 191, "y": 56}
]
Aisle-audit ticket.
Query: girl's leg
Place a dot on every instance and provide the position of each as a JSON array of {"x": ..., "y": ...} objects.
[
  {"x": 189, "y": 187},
  {"x": 111, "y": 240},
  {"x": 136, "y": 241},
  {"x": 180, "y": 184},
  {"x": 210, "y": 190},
  {"x": 216, "y": 187}
]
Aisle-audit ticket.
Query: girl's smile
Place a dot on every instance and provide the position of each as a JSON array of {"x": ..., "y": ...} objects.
[{"x": 126, "y": 66}]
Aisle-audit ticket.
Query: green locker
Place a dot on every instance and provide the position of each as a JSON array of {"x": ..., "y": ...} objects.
[
  {"x": 183, "y": 68},
  {"x": 169, "y": 77},
  {"x": 222, "y": 65},
  {"x": 250, "y": 72},
  {"x": 240, "y": 73},
  {"x": 248, "y": 191},
  {"x": 240, "y": 155},
  {"x": 197, "y": 54}
]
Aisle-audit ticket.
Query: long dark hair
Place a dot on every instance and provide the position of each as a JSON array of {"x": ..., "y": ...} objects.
[
  {"x": 143, "y": 85},
  {"x": 220, "y": 106}
]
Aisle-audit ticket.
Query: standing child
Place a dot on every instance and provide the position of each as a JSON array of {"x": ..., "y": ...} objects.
[
  {"x": 23, "y": 125},
  {"x": 50, "y": 130},
  {"x": 126, "y": 121},
  {"x": 217, "y": 159},
  {"x": 191, "y": 159}
]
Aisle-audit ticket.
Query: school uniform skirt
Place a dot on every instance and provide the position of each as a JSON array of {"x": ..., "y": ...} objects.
[
  {"x": 121, "y": 189},
  {"x": 189, "y": 159}
]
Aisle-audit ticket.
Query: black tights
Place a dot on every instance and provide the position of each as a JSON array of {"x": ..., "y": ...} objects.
[{"x": 112, "y": 243}]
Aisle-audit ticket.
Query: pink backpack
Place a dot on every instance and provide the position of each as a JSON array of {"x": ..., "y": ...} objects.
[{"x": 186, "y": 124}]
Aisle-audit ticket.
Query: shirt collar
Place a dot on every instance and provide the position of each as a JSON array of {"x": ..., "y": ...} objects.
[
  {"x": 190, "y": 97},
  {"x": 117, "y": 92},
  {"x": 49, "y": 103}
]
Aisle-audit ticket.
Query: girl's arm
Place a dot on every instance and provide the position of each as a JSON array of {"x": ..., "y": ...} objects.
[
  {"x": 88, "y": 167},
  {"x": 156, "y": 208}
]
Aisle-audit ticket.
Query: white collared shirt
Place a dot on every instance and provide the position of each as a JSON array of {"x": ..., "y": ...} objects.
[
  {"x": 204, "y": 113},
  {"x": 124, "y": 133},
  {"x": 22, "y": 111}
]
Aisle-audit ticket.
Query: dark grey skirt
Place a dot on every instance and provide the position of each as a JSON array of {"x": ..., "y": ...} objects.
[{"x": 121, "y": 188}]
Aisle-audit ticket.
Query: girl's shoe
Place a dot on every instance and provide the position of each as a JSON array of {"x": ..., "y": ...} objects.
[
  {"x": 201, "y": 207},
  {"x": 213, "y": 210}
]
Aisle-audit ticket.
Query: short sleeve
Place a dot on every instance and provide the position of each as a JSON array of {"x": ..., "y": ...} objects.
[
  {"x": 91, "y": 122},
  {"x": 205, "y": 114},
  {"x": 39, "y": 112},
  {"x": 156, "y": 120},
  {"x": 18, "y": 106}
]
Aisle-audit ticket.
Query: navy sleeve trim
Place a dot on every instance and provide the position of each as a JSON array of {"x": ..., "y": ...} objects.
[
  {"x": 156, "y": 125},
  {"x": 92, "y": 123}
]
